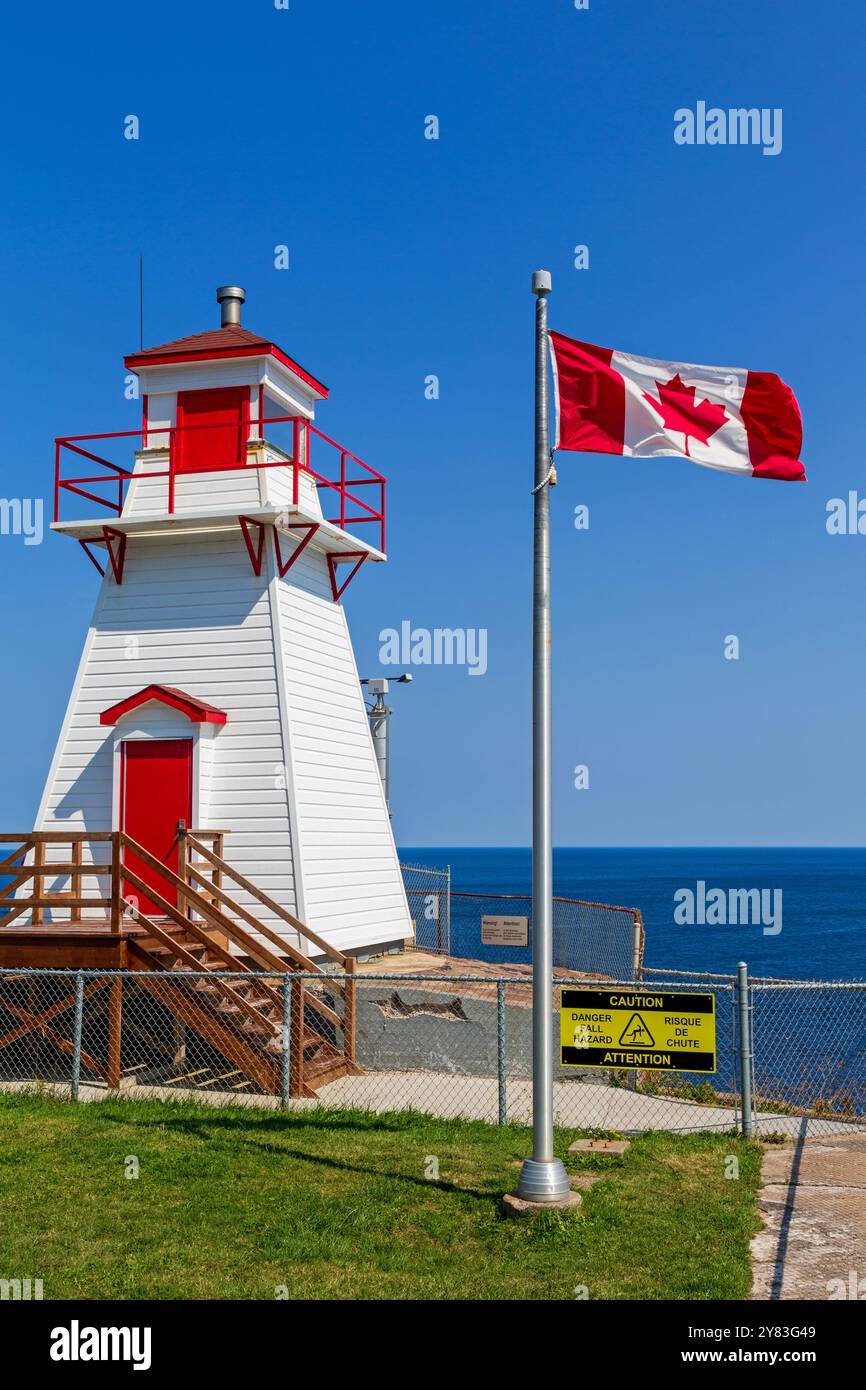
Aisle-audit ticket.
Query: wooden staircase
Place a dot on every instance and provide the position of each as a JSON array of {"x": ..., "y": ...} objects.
[{"x": 197, "y": 924}]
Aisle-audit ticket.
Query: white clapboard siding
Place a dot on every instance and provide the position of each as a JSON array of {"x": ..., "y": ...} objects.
[
  {"x": 353, "y": 887},
  {"x": 231, "y": 489},
  {"x": 193, "y": 492}
]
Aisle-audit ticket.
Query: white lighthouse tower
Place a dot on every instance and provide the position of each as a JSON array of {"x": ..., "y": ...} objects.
[{"x": 217, "y": 687}]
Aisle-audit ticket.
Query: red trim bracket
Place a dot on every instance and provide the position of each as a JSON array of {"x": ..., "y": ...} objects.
[
  {"x": 311, "y": 528},
  {"x": 334, "y": 559},
  {"x": 116, "y": 559},
  {"x": 255, "y": 552}
]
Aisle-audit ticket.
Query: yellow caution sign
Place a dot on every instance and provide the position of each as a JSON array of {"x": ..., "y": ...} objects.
[{"x": 637, "y": 1027}]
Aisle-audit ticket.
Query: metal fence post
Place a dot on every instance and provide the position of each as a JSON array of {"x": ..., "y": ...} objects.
[
  {"x": 637, "y": 947},
  {"x": 636, "y": 973},
  {"x": 287, "y": 1043},
  {"x": 745, "y": 1047},
  {"x": 448, "y": 909},
  {"x": 500, "y": 1050},
  {"x": 76, "y": 1036}
]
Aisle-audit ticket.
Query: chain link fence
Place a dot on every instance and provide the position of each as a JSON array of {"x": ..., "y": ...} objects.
[
  {"x": 810, "y": 1051},
  {"x": 428, "y": 893},
  {"x": 459, "y": 1046},
  {"x": 590, "y": 938}
]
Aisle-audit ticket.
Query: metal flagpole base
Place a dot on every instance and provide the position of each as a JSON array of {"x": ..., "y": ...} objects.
[{"x": 545, "y": 1181}]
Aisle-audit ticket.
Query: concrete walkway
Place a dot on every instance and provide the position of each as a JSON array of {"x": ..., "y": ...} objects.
[
  {"x": 450, "y": 1095},
  {"x": 576, "y": 1105},
  {"x": 814, "y": 1204}
]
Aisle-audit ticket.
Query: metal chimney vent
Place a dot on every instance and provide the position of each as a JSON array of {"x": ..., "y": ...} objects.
[{"x": 230, "y": 298}]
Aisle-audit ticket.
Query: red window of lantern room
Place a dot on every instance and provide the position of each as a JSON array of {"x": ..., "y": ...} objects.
[{"x": 213, "y": 427}]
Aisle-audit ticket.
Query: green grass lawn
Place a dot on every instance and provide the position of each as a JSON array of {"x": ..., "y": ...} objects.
[{"x": 236, "y": 1203}]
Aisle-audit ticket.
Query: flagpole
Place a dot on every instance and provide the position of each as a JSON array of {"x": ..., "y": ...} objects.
[{"x": 542, "y": 1178}]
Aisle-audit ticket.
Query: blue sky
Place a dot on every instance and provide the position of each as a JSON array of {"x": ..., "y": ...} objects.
[{"x": 412, "y": 257}]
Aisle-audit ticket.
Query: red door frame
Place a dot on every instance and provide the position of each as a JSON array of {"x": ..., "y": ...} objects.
[
  {"x": 182, "y": 810},
  {"x": 184, "y": 437}
]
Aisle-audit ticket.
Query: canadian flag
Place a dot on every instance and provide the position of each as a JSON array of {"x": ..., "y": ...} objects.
[{"x": 610, "y": 402}]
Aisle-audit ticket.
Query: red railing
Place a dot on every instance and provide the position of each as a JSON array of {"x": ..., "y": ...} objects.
[{"x": 299, "y": 463}]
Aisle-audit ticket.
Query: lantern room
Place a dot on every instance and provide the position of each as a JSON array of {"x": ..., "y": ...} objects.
[{"x": 226, "y": 439}]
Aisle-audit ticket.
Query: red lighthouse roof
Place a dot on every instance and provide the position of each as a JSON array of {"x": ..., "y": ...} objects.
[{"x": 216, "y": 343}]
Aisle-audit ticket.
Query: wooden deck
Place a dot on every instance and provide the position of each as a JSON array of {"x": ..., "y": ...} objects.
[{"x": 67, "y": 946}]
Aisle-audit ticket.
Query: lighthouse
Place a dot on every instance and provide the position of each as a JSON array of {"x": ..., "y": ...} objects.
[{"x": 217, "y": 690}]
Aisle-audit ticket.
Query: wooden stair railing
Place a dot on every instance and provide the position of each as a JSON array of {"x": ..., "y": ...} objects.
[
  {"x": 14, "y": 902},
  {"x": 278, "y": 910},
  {"x": 209, "y": 1009},
  {"x": 345, "y": 964},
  {"x": 15, "y": 863},
  {"x": 316, "y": 1057}
]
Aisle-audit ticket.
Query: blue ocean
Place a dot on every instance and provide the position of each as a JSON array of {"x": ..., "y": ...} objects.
[{"x": 820, "y": 894}]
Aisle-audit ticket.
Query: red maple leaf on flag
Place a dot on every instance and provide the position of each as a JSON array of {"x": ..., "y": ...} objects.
[{"x": 680, "y": 411}]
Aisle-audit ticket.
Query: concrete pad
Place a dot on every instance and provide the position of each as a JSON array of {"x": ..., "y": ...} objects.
[
  {"x": 515, "y": 1206},
  {"x": 615, "y": 1147},
  {"x": 814, "y": 1206},
  {"x": 834, "y": 1160}
]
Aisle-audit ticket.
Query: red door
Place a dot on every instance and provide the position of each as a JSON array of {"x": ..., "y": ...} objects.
[
  {"x": 212, "y": 429},
  {"x": 155, "y": 793}
]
